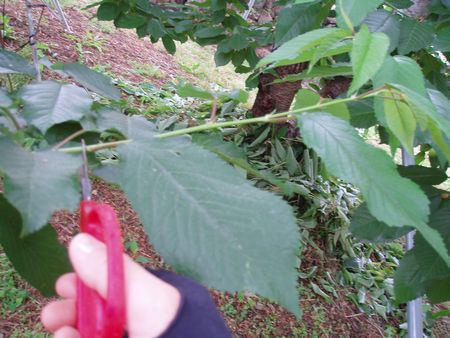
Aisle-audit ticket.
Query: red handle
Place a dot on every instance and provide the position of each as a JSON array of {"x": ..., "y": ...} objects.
[{"x": 98, "y": 318}]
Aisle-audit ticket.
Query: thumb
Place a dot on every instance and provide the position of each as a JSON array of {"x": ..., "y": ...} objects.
[{"x": 149, "y": 300}]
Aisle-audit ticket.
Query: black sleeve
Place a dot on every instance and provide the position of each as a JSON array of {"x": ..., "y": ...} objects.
[{"x": 197, "y": 316}]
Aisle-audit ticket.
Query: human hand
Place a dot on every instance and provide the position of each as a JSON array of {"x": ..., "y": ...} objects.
[{"x": 151, "y": 304}]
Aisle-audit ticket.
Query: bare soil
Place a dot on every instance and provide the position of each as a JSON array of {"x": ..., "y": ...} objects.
[{"x": 248, "y": 315}]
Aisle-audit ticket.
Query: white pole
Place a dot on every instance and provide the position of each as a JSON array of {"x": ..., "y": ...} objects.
[
  {"x": 251, "y": 3},
  {"x": 414, "y": 308}
]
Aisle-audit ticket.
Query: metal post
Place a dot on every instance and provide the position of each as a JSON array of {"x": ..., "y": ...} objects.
[
  {"x": 61, "y": 14},
  {"x": 414, "y": 308},
  {"x": 32, "y": 39},
  {"x": 251, "y": 3}
]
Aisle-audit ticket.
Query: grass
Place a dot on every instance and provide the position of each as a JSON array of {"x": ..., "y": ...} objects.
[
  {"x": 13, "y": 300},
  {"x": 146, "y": 69},
  {"x": 199, "y": 61}
]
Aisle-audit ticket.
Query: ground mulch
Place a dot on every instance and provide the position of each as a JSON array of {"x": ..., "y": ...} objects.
[
  {"x": 262, "y": 319},
  {"x": 118, "y": 49}
]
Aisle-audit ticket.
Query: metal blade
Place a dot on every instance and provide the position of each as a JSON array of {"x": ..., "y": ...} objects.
[{"x": 84, "y": 177}]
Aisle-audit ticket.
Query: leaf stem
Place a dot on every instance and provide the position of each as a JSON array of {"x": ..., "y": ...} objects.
[
  {"x": 270, "y": 118},
  {"x": 11, "y": 117},
  {"x": 94, "y": 147},
  {"x": 69, "y": 138}
]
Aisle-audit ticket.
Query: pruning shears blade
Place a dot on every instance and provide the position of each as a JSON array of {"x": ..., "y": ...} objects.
[{"x": 84, "y": 177}]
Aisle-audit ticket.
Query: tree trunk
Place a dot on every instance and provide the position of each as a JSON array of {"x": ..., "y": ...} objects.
[
  {"x": 276, "y": 97},
  {"x": 419, "y": 9}
]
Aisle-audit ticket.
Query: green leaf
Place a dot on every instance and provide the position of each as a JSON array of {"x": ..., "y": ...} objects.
[
  {"x": 392, "y": 199},
  {"x": 209, "y": 32},
  {"x": 421, "y": 270},
  {"x": 423, "y": 175},
  {"x": 39, "y": 258},
  {"x": 11, "y": 63},
  {"x": 442, "y": 40},
  {"x": 48, "y": 102},
  {"x": 368, "y": 54},
  {"x": 365, "y": 227},
  {"x": 385, "y": 22},
  {"x": 108, "y": 11},
  {"x": 155, "y": 29},
  {"x": 351, "y": 13},
  {"x": 188, "y": 90},
  {"x": 92, "y": 80},
  {"x": 401, "y": 70},
  {"x": 131, "y": 127},
  {"x": 400, "y": 120},
  {"x": 5, "y": 100},
  {"x": 210, "y": 223},
  {"x": 414, "y": 35},
  {"x": 130, "y": 21},
  {"x": 401, "y": 4},
  {"x": 221, "y": 59},
  {"x": 38, "y": 183},
  {"x": 295, "y": 20},
  {"x": 361, "y": 113},
  {"x": 398, "y": 70},
  {"x": 238, "y": 42},
  {"x": 234, "y": 155},
  {"x": 291, "y": 49},
  {"x": 169, "y": 44},
  {"x": 326, "y": 44}
]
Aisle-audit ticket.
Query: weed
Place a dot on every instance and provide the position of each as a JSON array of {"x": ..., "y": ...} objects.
[
  {"x": 6, "y": 31},
  {"x": 103, "y": 26},
  {"x": 11, "y": 295},
  {"x": 145, "y": 69},
  {"x": 89, "y": 40}
]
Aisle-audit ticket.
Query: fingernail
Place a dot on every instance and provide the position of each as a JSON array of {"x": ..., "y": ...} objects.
[{"x": 84, "y": 243}]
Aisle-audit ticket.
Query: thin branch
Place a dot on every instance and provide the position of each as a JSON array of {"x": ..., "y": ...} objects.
[
  {"x": 69, "y": 138},
  {"x": 270, "y": 118},
  {"x": 213, "y": 116},
  {"x": 11, "y": 117},
  {"x": 94, "y": 147}
]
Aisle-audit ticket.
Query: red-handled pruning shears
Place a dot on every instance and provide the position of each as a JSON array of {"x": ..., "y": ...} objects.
[{"x": 97, "y": 317}]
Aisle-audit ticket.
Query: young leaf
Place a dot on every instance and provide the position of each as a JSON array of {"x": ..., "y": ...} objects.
[
  {"x": 414, "y": 35},
  {"x": 305, "y": 98},
  {"x": 48, "y": 102},
  {"x": 92, "y": 80},
  {"x": 422, "y": 105},
  {"x": 392, "y": 199},
  {"x": 39, "y": 257},
  {"x": 38, "y": 183},
  {"x": 368, "y": 54},
  {"x": 11, "y": 63},
  {"x": 351, "y": 13},
  {"x": 398, "y": 70},
  {"x": 292, "y": 48},
  {"x": 210, "y": 223},
  {"x": 400, "y": 120}
]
